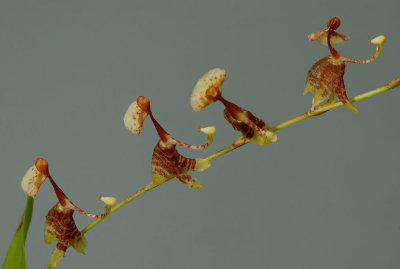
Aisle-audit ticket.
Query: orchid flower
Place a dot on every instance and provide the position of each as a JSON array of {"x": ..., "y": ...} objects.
[
  {"x": 208, "y": 90},
  {"x": 60, "y": 225},
  {"x": 325, "y": 78},
  {"x": 167, "y": 163}
]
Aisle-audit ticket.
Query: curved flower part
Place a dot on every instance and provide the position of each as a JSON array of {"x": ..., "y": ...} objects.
[
  {"x": 252, "y": 128},
  {"x": 208, "y": 90},
  {"x": 34, "y": 177},
  {"x": 378, "y": 42},
  {"x": 325, "y": 78},
  {"x": 109, "y": 201},
  {"x": 322, "y": 36},
  {"x": 167, "y": 163},
  {"x": 135, "y": 116},
  {"x": 60, "y": 226},
  {"x": 209, "y": 131},
  {"x": 334, "y": 37}
]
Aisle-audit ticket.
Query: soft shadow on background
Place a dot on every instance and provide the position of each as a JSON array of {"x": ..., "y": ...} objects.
[{"x": 327, "y": 195}]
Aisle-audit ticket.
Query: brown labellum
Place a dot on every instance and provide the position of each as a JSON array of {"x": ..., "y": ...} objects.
[
  {"x": 61, "y": 227},
  {"x": 325, "y": 78}
]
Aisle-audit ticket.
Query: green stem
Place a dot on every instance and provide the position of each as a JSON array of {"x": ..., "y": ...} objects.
[
  {"x": 119, "y": 205},
  {"x": 237, "y": 143},
  {"x": 331, "y": 106},
  {"x": 241, "y": 141}
]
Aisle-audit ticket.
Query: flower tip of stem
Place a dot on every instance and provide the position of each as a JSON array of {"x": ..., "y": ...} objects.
[
  {"x": 210, "y": 130},
  {"x": 109, "y": 201},
  {"x": 379, "y": 40}
]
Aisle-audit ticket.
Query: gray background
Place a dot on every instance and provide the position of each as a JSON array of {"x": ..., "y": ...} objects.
[{"x": 327, "y": 195}]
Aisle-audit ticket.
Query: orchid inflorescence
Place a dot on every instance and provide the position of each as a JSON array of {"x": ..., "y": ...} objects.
[{"x": 325, "y": 79}]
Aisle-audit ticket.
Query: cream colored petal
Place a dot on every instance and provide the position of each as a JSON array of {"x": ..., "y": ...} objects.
[
  {"x": 213, "y": 80},
  {"x": 322, "y": 36},
  {"x": 134, "y": 118},
  {"x": 32, "y": 181},
  {"x": 109, "y": 201},
  {"x": 378, "y": 41},
  {"x": 210, "y": 130}
]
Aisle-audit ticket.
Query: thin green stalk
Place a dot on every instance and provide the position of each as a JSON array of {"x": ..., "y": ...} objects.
[
  {"x": 241, "y": 141},
  {"x": 119, "y": 205},
  {"x": 237, "y": 143}
]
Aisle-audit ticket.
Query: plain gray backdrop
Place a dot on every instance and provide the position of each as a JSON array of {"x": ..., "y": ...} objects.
[{"x": 326, "y": 195}]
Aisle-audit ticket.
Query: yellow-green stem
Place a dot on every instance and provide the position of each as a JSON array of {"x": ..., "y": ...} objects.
[
  {"x": 237, "y": 143},
  {"x": 119, "y": 205},
  {"x": 330, "y": 106},
  {"x": 241, "y": 141}
]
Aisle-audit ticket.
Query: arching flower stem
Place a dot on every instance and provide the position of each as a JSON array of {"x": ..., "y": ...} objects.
[
  {"x": 242, "y": 141},
  {"x": 333, "y": 24},
  {"x": 378, "y": 41}
]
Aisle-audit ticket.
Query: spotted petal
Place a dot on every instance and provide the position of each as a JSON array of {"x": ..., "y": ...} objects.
[
  {"x": 32, "y": 181},
  {"x": 322, "y": 36},
  {"x": 60, "y": 225},
  {"x": 251, "y": 127},
  {"x": 324, "y": 79},
  {"x": 189, "y": 181},
  {"x": 167, "y": 163},
  {"x": 134, "y": 118},
  {"x": 207, "y": 89}
]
